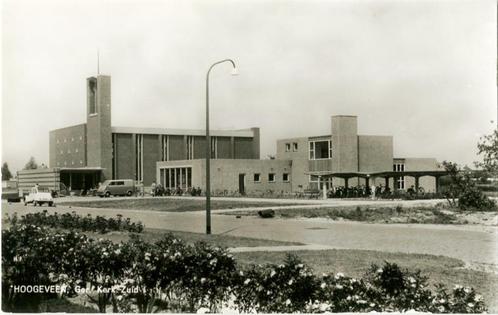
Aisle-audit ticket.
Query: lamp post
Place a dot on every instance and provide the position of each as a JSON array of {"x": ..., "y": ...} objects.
[{"x": 208, "y": 145}]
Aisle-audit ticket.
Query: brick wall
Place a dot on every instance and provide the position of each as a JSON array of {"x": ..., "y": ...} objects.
[
  {"x": 375, "y": 153},
  {"x": 345, "y": 143},
  {"x": 224, "y": 148},
  {"x": 125, "y": 156},
  {"x": 225, "y": 174},
  {"x": 150, "y": 157},
  {"x": 68, "y": 147},
  {"x": 177, "y": 148},
  {"x": 243, "y": 148}
]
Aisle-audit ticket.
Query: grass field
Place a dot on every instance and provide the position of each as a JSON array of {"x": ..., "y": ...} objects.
[
  {"x": 384, "y": 214},
  {"x": 439, "y": 269},
  {"x": 152, "y": 235},
  {"x": 170, "y": 204}
]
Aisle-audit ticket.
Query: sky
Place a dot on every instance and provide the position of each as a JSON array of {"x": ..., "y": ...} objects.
[{"x": 421, "y": 71}]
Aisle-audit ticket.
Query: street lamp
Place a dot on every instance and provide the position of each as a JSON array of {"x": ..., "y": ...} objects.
[{"x": 208, "y": 146}]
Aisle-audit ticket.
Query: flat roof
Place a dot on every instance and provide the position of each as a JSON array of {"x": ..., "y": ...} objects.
[
  {"x": 245, "y": 133},
  {"x": 81, "y": 169},
  {"x": 378, "y": 174}
]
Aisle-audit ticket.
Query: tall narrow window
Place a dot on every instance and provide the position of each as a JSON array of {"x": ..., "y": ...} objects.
[
  {"x": 92, "y": 96},
  {"x": 114, "y": 156},
  {"x": 164, "y": 148},
  {"x": 214, "y": 147},
  {"x": 139, "y": 157},
  {"x": 190, "y": 148},
  {"x": 312, "y": 150}
]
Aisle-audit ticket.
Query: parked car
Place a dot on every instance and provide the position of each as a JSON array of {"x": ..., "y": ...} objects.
[
  {"x": 39, "y": 198},
  {"x": 116, "y": 187}
]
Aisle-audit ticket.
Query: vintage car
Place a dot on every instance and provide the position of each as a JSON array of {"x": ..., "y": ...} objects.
[{"x": 39, "y": 198}]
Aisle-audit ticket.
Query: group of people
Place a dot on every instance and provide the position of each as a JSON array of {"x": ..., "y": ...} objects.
[
  {"x": 159, "y": 190},
  {"x": 361, "y": 191}
]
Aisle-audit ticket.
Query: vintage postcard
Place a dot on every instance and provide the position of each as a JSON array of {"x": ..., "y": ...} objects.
[{"x": 237, "y": 156}]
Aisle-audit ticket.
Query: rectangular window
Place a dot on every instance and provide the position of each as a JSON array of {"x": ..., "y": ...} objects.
[
  {"x": 271, "y": 177},
  {"x": 257, "y": 177},
  {"x": 214, "y": 147},
  {"x": 164, "y": 148},
  {"x": 287, "y": 147},
  {"x": 190, "y": 148},
  {"x": 285, "y": 177},
  {"x": 139, "y": 157},
  {"x": 294, "y": 146},
  {"x": 320, "y": 150},
  {"x": 114, "y": 156},
  {"x": 92, "y": 97},
  {"x": 174, "y": 177}
]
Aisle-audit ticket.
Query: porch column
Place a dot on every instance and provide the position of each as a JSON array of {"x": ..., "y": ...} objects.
[
  {"x": 437, "y": 183},
  {"x": 416, "y": 183},
  {"x": 346, "y": 179},
  {"x": 324, "y": 190},
  {"x": 387, "y": 181}
]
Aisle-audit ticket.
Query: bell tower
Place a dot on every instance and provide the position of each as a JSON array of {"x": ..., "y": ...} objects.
[{"x": 98, "y": 126}]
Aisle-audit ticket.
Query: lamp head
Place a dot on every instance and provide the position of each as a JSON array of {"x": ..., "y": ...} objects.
[{"x": 235, "y": 71}]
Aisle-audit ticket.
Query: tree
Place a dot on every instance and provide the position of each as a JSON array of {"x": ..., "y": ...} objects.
[
  {"x": 462, "y": 192},
  {"x": 6, "y": 174},
  {"x": 488, "y": 148},
  {"x": 31, "y": 165}
]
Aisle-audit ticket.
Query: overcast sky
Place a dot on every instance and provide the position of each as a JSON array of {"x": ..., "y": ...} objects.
[{"x": 422, "y": 71}]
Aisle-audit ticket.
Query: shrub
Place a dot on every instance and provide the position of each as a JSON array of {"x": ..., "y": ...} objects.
[
  {"x": 283, "y": 288},
  {"x": 74, "y": 221},
  {"x": 174, "y": 277}
]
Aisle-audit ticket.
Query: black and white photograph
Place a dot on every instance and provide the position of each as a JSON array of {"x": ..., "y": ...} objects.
[{"x": 249, "y": 156}]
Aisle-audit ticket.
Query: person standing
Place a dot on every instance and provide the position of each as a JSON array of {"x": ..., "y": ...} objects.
[{"x": 153, "y": 189}]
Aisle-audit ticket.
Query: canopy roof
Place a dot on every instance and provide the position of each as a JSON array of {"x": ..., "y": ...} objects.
[{"x": 436, "y": 173}]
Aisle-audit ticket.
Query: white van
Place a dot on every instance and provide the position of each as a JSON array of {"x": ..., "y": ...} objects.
[{"x": 116, "y": 187}]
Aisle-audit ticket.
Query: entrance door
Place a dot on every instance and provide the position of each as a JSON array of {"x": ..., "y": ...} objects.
[{"x": 242, "y": 188}]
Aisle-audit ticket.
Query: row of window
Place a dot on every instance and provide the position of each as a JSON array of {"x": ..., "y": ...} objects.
[
  {"x": 271, "y": 177},
  {"x": 318, "y": 149},
  {"x": 288, "y": 147},
  {"x": 69, "y": 151},
  {"x": 65, "y": 139},
  {"x": 66, "y": 163}
]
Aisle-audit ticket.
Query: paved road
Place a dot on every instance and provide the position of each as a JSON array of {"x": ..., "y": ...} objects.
[{"x": 476, "y": 245}]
